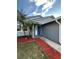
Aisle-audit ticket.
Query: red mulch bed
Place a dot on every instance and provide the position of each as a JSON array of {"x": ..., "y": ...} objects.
[{"x": 51, "y": 52}]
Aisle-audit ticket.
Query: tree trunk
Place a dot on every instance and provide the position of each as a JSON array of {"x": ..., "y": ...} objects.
[
  {"x": 24, "y": 33},
  {"x": 30, "y": 32}
]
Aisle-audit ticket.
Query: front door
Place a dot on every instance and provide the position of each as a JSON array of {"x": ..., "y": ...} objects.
[{"x": 40, "y": 30}]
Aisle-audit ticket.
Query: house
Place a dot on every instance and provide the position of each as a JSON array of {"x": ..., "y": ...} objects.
[{"x": 48, "y": 27}]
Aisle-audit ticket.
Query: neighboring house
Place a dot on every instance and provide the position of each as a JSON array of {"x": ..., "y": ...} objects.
[{"x": 48, "y": 27}]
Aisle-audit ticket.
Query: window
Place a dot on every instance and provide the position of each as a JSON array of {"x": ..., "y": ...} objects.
[
  {"x": 25, "y": 29},
  {"x": 18, "y": 28}
]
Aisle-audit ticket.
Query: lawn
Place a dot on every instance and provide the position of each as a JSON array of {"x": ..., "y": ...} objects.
[{"x": 30, "y": 51}]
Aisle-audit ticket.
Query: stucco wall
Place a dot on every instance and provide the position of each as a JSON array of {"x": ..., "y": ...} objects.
[{"x": 51, "y": 31}]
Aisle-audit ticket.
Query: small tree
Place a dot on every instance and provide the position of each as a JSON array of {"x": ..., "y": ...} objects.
[{"x": 21, "y": 17}]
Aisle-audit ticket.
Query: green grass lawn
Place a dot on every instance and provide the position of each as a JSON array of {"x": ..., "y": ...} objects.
[{"x": 30, "y": 51}]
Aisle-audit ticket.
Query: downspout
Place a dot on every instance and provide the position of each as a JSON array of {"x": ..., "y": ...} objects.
[{"x": 59, "y": 30}]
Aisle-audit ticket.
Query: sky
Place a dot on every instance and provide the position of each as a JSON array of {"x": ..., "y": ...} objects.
[{"x": 40, "y": 7}]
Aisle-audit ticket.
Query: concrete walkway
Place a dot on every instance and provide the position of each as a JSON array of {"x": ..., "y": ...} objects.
[{"x": 52, "y": 44}]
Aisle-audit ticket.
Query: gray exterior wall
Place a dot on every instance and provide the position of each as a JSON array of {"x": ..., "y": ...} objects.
[{"x": 51, "y": 31}]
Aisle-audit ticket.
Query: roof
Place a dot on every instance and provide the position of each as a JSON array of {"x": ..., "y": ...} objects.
[
  {"x": 43, "y": 20},
  {"x": 34, "y": 17}
]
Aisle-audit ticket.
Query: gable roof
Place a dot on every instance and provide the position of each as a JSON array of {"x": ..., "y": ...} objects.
[{"x": 43, "y": 20}]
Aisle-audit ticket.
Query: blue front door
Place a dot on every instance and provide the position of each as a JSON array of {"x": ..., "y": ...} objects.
[{"x": 39, "y": 30}]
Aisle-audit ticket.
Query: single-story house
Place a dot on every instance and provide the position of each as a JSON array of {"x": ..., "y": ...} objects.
[{"x": 48, "y": 27}]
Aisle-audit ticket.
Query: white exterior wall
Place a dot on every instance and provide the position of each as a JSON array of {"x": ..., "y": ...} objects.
[{"x": 21, "y": 33}]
